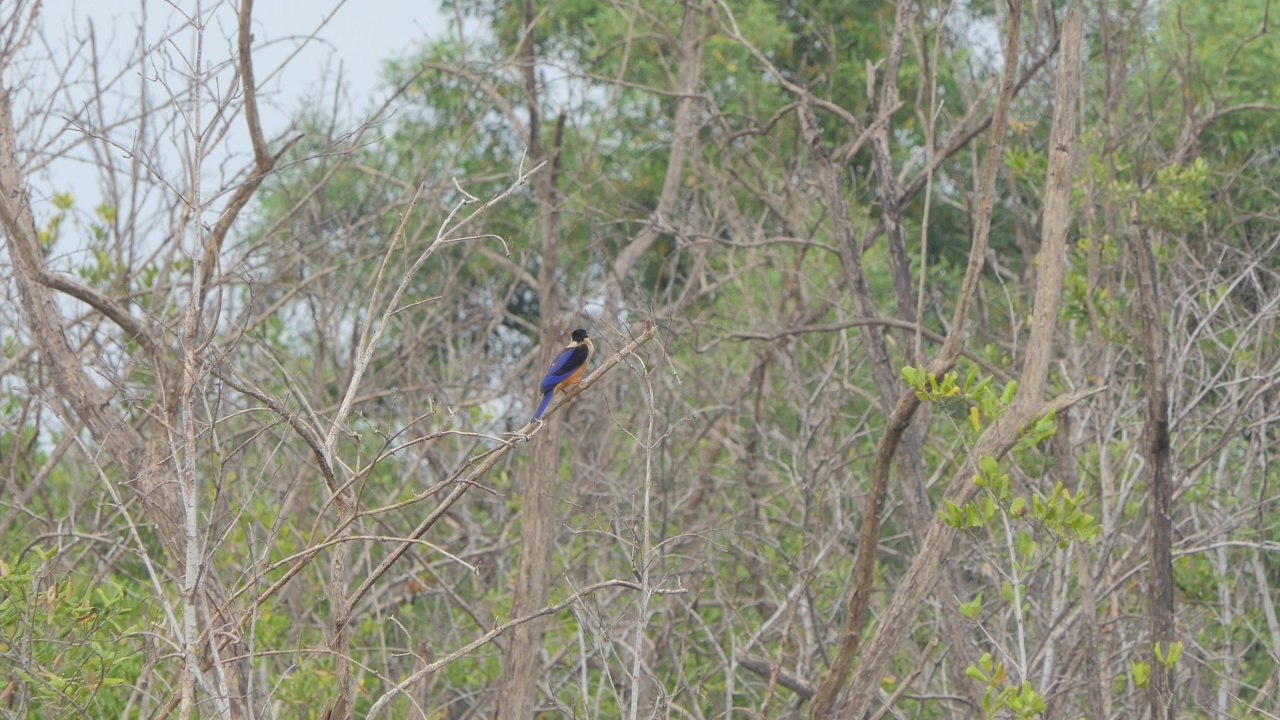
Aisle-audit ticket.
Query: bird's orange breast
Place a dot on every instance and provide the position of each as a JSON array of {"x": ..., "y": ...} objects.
[{"x": 564, "y": 384}]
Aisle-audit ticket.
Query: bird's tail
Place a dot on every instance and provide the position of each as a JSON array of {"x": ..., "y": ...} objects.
[{"x": 542, "y": 407}]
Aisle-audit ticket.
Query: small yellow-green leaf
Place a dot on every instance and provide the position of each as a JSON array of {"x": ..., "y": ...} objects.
[
  {"x": 1025, "y": 545},
  {"x": 971, "y": 609},
  {"x": 1006, "y": 591},
  {"x": 1018, "y": 506},
  {"x": 1010, "y": 388},
  {"x": 1141, "y": 673}
]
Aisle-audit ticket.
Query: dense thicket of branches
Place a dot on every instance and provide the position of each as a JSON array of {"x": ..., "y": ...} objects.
[{"x": 937, "y": 367}]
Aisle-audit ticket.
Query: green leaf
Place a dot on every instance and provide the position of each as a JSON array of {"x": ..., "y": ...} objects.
[
  {"x": 988, "y": 508},
  {"x": 1141, "y": 673},
  {"x": 987, "y": 465},
  {"x": 971, "y": 609},
  {"x": 1038, "y": 507},
  {"x": 1025, "y": 545},
  {"x": 1010, "y": 388},
  {"x": 951, "y": 514},
  {"x": 1018, "y": 506},
  {"x": 911, "y": 375}
]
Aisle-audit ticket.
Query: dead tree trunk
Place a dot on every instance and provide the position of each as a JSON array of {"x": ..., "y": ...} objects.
[{"x": 1155, "y": 445}]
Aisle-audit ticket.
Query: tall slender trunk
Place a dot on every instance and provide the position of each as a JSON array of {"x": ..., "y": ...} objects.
[
  {"x": 1155, "y": 445},
  {"x": 517, "y": 692}
]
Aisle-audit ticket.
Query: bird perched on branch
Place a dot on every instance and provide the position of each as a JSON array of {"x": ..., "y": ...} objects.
[{"x": 565, "y": 369}]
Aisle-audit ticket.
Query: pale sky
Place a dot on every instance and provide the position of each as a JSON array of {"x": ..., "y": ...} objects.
[
  {"x": 359, "y": 34},
  {"x": 356, "y": 39}
]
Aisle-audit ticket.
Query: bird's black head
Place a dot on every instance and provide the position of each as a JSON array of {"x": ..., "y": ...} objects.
[{"x": 579, "y": 335}]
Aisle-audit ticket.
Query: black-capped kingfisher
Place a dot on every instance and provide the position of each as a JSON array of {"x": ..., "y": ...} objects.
[{"x": 565, "y": 369}]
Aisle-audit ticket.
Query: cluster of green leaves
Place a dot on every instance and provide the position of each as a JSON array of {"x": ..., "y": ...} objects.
[
  {"x": 48, "y": 235},
  {"x": 74, "y": 647},
  {"x": 1176, "y": 198},
  {"x": 1226, "y": 70},
  {"x": 94, "y": 237},
  {"x": 1059, "y": 515},
  {"x": 983, "y": 401},
  {"x": 1141, "y": 670},
  {"x": 1003, "y": 699},
  {"x": 1077, "y": 296}
]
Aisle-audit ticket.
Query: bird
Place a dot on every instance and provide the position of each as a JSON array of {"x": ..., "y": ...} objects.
[{"x": 565, "y": 370}]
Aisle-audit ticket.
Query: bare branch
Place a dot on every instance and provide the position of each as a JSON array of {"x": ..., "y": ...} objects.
[{"x": 499, "y": 630}]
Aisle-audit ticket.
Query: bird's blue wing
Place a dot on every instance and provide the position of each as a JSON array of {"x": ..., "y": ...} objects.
[{"x": 569, "y": 360}]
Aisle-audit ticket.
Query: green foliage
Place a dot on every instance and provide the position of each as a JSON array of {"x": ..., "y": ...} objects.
[
  {"x": 1176, "y": 200},
  {"x": 1027, "y": 165},
  {"x": 1002, "y": 699},
  {"x": 1061, "y": 516},
  {"x": 101, "y": 269},
  {"x": 927, "y": 386},
  {"x": 986, "y": 404},
  {"x": 73, "y": 647},
  {"x": 1170, "y": 659},
  {"x": 48, "y": 235},
  {"x": 1141, "y": 672},
  {"x": 1059, "y": 513},
  {"x": 1078, "y": 297},
  {"x": 1223, "y": 59}
]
